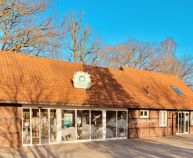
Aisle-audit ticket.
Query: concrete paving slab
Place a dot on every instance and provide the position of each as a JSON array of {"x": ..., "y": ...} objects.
[{"x": 164, "y": 147}]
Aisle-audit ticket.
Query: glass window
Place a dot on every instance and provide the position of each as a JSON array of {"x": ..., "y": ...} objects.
[
  {"x": 163, "y": 118},
  {"x": 73, "y": 125},
  {"x": 177, "y": 90},
  {"x": 26, "y": 126},
  {"x": 96, "y": 125},
  {"x": 144, "y": 113},
  {"x": 35, "y": 126},
  {"x": 111, "y": 124},
  {"x": 83, "y": 124},
  {"x": 44, "y": 126},
  {"x": 191, "y": 117},
  {"x": 68, "y": 125},
  {"x": 53, "y": 126},
  {"x": 121, "y": 124}
]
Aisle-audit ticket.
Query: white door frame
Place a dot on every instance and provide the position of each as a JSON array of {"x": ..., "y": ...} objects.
[{"x": 179, "y": 123}]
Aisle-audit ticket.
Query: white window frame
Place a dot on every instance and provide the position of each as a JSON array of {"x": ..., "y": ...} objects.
[
  {"x": 163, "y": 118},
  {"x": 144, "y": 116},
  {"x": 191, "y": 117},
  {"x": 59, "y": 121}
]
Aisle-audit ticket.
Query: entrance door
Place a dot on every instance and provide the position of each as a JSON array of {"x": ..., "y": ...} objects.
[{"x": 182, "y": 122}]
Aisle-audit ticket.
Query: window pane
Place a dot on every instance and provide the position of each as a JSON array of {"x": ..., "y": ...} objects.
[
  {"x": 83, "y": 125},
  {"x": 163, "y": 118},
  {"x": 96, "y": 125},
  {"x": 192, "y": 118},
  {"x": 26, "y": 126},
  {"x": 53, "y": 127},
  {"x": 68, "y": 125},
  {"x": 121, "y": 123},
  {"x": 111, "y": 124},
  {"x": 177, "y": 90},
  {"x": 35, "y": 126},
  {"x": 44, "y": 126}
]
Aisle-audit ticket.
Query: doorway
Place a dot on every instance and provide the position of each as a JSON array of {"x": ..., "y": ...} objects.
[{"x": 182, "y": 122}]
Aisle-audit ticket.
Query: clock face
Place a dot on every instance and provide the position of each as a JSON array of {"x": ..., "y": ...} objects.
[{"x": 82, "y": 78}]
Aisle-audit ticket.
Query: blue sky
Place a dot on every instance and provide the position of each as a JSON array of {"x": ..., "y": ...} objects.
[{"x": 115, "y": 21}]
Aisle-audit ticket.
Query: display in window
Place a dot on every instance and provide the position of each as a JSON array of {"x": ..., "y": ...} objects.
[
  {"x": 35, "y": 126},
  {"x": 83, "y": 125},
  {"x": 26, "y": 126},
  {"x": 68, "y": 125},
  {"x": 121, "y": 123},
  {"x": 96, "y": 125},
  {"x": 111, "y": 124},
  {"x": 53, "y": 127},
  {"x": 44, "y": 126}
]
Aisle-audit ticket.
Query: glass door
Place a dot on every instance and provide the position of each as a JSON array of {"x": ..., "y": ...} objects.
[
  {"x": 44, "y": 126},
  {"x": 83, "y": 125},
  {"x": 182, "y": 122},
  {"x": 96, "y": 124},
  {"x": 111, "y": 124},
  {"x": 26, "y": 126},
  {"x": 53, "y": 125},
  {"x": 35, "y": 126},
  {"x": 68, "y": 129},
  {"x": 186, "y": 122}
]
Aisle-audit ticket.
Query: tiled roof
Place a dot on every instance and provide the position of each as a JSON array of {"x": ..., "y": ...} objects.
[{"x": 35, "y": 80}]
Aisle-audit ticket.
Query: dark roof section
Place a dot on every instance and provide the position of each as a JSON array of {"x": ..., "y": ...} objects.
[{"x": 35, "y": 80}]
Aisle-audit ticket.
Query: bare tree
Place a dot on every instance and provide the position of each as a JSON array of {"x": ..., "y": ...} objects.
[
  {"x": 23, "y": 30},
  {"x": 133, "y": 53},
  {"x": 81, "y": 45},
  {"x": 164, "y": 57},
  {"x": 149, "y": 56},
  {"x": 169, "y": 63}
]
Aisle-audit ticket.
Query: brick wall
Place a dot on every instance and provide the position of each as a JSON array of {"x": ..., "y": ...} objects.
[
  {"x": 149, "y": 127},
  {"x": 10, "y": 126}
]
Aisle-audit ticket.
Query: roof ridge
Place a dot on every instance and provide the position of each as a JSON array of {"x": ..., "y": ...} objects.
[
  {"x": 149, "y": 71},
  {"x": 56, "y": 60},
  {"x": 121, "y": 69}
]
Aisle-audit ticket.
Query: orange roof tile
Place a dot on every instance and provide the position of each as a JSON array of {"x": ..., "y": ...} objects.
[{"x": 35, "y": 80}]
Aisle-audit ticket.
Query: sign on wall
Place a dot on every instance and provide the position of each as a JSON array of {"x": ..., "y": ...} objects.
[
  {"x": 139, "y": 121},
  {"x": 82, "y": 80}
]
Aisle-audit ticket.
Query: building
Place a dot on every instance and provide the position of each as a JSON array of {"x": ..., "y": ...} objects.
[{"x": 47, "y": 101}]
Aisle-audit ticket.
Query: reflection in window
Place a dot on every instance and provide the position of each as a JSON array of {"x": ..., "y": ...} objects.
[
  {"x": 121, "y": 124},
  {"x": 75, "y": 125},
  {"x": 83, "y": 125},
  {"x": 44, "y": 126},
  {"x": 53, "y": 127},
  {"x": 26, "y": 126},
  {"x": 68, "y": 125},
  {"x": 96, "y": 125},
  {"x": 35, "y": 126},
  {"x": 111, "y": 124}
]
